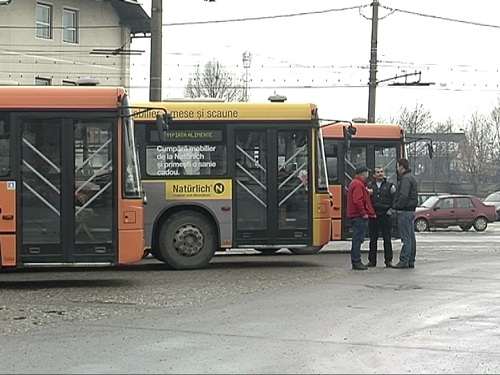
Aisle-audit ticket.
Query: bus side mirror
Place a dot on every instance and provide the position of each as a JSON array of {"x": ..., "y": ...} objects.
[
  {"x": 349, "y": 131},
  {"x": 430, "y": 149},
  {"x": 162, "y": 125}
]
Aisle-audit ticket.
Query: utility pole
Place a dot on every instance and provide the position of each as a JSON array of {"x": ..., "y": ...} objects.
[
  {"x": 247, "y": 61},
  {"x": 372, "y": 84},
  {"x": 155, "y": 67}
]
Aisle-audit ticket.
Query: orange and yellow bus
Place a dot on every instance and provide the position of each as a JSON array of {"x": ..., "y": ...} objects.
[
  {"x": 70, "y": 191},
  {"x": 347, "y": 145},
  {"x": 232, "y": 175}
]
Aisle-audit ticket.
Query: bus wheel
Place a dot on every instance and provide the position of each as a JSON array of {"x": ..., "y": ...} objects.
[
  {"x": 305, "y": 250},
  {"x": 188, "y": 240},
  {"x": 156, "y": 253}
]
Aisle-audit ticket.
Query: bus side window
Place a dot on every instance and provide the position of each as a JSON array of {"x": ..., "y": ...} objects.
[
  {"x": 4, "y": 148},
  {"x": 331, "y": 152},
  {"x": 332, "y": 165}
]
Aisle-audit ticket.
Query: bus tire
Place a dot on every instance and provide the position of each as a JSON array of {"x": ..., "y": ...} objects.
[
  {"x": 188, "y": 240},
  {"x": 305, "y": 250},
  {"x": 156, "y": 253}
]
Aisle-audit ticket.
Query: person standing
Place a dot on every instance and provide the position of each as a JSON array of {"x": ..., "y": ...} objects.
[
  {"x": 359, "y": 210},
  {"x": 406, "y": 203},
  {"x": 383, "y": 199}
]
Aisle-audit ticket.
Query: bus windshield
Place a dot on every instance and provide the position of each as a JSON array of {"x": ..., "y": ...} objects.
[
  {"x": 376, "y": 145},
  {"x": 321, "y": 162},
  {"x": 131, "y": 173}
]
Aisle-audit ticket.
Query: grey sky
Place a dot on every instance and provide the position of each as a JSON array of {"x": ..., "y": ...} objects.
[{"x": 323, "y": 58}]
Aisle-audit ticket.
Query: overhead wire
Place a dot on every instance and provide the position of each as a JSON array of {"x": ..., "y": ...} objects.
[
  {"x": 260, "y": 18},
  {"x": 464, "y": 68},
  {"x": 442, "y": 18}
]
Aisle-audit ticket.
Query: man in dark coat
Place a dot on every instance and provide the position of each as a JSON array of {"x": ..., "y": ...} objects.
[
  {"x": 383, "y": 197},
  {"x": 406, "y": 203}
]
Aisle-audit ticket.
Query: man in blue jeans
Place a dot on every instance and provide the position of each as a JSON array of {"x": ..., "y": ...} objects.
[
  {"x": 359, "y": 210},
  {"x": 406, "y": 203}
]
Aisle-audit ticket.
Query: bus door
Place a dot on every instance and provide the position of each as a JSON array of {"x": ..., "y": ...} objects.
[
  {"x": 353, "y": 155},
  {"x": 381, "y": 154},
  {"x": 272, "y": 204},
  {"x": 335, "y": 166},
  {"x": 66, "y": 190}
]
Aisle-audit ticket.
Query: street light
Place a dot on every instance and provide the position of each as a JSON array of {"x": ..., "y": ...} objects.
[{"x": 247, "y": 61}]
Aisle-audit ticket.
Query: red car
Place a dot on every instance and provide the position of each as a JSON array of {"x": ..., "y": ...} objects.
[{"x": 465, "y": 211}]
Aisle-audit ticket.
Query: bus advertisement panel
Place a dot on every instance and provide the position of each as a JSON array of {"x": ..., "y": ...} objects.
[
  {"x": 347, "y": 145},
  {"x": 232, "y": 175},
  {"x": 69, "y": 178}
]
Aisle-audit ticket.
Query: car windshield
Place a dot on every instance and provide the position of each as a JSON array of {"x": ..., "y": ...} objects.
[
  {"x": 494, "y": 197},
  {"x": 429, "y": 202}
]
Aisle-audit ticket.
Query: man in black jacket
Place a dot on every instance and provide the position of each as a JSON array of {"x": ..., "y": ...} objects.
[
  {"x": 383, "y": 195},
  {"x": 406, "y": 203}
]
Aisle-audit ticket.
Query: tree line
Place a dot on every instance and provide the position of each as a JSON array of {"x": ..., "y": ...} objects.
[{"x": 470, "y": 155}]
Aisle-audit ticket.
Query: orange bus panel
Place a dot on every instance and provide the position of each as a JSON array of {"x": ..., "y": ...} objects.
[
  {"x": 7, "y": 207},
  {"x": 8, "y": 250},
  {"x": 364, "y": 131}
]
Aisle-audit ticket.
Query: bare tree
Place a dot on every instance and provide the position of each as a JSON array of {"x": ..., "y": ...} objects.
[
  {"x": 415, "y": 122},
  {"x": 495, "y": 119},
  {"x": 477, "y": 154},
  {"x": 214, "y": 81}
]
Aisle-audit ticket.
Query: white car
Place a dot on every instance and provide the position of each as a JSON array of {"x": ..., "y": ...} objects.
[{"x": 493, "y": 200}]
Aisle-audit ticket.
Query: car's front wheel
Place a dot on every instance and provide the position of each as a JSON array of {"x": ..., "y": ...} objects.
[
  {"x": 421, "y": 225},
  {"x": 480, "y": 224}
]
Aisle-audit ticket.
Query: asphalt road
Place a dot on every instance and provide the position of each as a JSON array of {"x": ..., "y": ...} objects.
[{"x": 251, "y": 313}]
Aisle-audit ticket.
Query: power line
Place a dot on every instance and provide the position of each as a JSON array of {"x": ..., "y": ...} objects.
[
  {"x": 61, "y": 27},
  {"x": 359, "y": 7},
  {"x": 266, "y": 17},
  {"x": 473, "y": 23},
  {"x": 31, "y": 27},
  {"x": 346, "y": 86}
]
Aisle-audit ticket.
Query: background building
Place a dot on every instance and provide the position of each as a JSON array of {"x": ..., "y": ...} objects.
[{"x": 58, "y": 42}]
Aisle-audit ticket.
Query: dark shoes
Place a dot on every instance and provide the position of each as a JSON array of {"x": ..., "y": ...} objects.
[
  {"x": 400, "y": 265},
  {"x": 411, "y": 265},
  {"x": 372, "y": 264},
  {"x": 359, "y": 266}
]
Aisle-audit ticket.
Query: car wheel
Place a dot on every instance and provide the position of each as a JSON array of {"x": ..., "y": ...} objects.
[
  {"x": 421, "y": 225},
  {"x": 480, "y": 224},
  {"x": 465, "y": 228}
]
